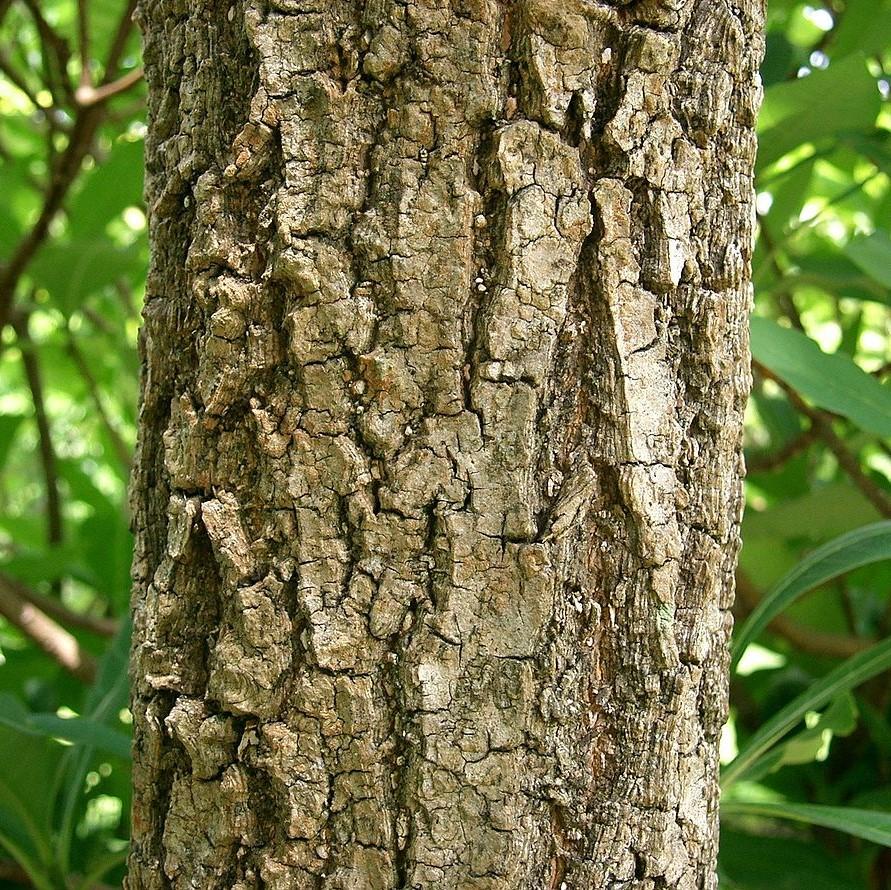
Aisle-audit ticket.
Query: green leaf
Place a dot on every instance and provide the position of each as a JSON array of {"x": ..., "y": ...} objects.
[
  {"x": 77, "y": 730},
  {"x": 9, "y": 425},
  {"x": 748, "y": 862},
  {"x": 872, "y": 254},
  {"x": 867, "y": 824},
  {"x": 821, "y": 106},
  {"x": 72, "y": 271},
  {"x": 830, "y": 381},
  {"x": 839, "y": 719},
  {"x": 112, "y": 186},
  {"x": 846, "y": 676},
  {"x": 835, "y": 273},
  {"x": 864, "y": 27},
  {"x": 861, "y": 547}
]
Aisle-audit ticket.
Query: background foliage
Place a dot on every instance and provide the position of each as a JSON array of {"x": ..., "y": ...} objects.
[{"x": 808, "y": 748}]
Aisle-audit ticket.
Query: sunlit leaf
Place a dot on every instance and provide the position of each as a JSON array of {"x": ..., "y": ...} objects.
[
  {"x": 830, "y": 381},
  {"x": 838, "y": 720},
  {"x": 818, "y": 107}
]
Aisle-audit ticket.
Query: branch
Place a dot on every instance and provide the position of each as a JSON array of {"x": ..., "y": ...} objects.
[
  {"x": 47, "y": 452},
  {"x": 86, "y": 95},
  {"x": 64, "y": 174},
  {"x": 821, "y": 424},
  {"x": 119, "y": 44},
  {"x": 55, "y": 52},
  {"x": 103, "y": 627},
  {"x": 806, "y": 639},
  {"x": 83, "y": 35},
  {"x": 14, "y": 873},
  {"x": 51, "y": 637}
]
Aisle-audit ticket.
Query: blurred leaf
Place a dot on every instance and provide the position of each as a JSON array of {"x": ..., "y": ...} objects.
[
  {"x": 846, "y": 676},
  {"x": 109, "y": 693},
  {"x": 72, "y": 271},
  {"x": 863, "y": 546},
  {"x": 47, "y": 564},
  {"x": 779, "y": 57},
  {"x": 827, "y": 510},
  {"x": 9, "y": 425},
  {"x": 818, "y": 107},
  {"x": 864, "y": 27},
  {"x": 867, "y": 824},
  {"x": 839, "y": 719},
  {"x": 112, "y": 186},
  {"x": 77, "y": 730},
  {"x": 872, "y": 254},
  {"x": 829, "y": 269},
  {"x": 830, "y": 381},
  {"x": 748, "y": 862}
]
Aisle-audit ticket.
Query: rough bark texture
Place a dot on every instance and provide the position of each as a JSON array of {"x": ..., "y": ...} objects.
[{"x": 438, "y": 490}]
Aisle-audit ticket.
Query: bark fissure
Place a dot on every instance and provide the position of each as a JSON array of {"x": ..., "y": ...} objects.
[{"x": 438, "y": 485}]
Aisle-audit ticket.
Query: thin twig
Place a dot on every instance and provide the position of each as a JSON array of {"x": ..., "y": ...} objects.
[
  {"x": 83, "y": 36},
  {"x": 103, "y": 627},
  {"x": 88, "y": 95},
  {"x": 811, "y": 222},
  {"x": 119, "y": 43},
  {"x": 784, "y": 295},
  {"x": 51, "y": 637},
  {"x": 47, "y": 452},
  {"x": 64, "y": 174}
]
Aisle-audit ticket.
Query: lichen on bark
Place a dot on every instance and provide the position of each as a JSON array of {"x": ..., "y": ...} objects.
[{"x": 438, "y": 486}]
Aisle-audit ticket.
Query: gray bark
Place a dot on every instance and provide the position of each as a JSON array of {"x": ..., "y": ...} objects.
[{"x": 439, "y": 478}]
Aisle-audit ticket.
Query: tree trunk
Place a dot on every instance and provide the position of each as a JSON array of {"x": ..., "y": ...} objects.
[{"x": 439, "y": 483}]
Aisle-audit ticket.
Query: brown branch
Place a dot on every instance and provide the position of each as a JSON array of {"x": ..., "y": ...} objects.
[
  {"x": 119, "y": 43},
  {"x": 86, "y": 95},
  {"x": 806, "y": 639},
  {"x": 55, "y": 53},
  {"x": 83, "y": 36},
  {"x": 14, "y": 873},
  {"x": 103, "y": 627},
  {"x": 51, "y": 637},
  {"x": 47, "y": 452},
  {"x": 64, "y": 174},
  {"x": 69, "y": 164},
  {"x": 821, "y": 423}
]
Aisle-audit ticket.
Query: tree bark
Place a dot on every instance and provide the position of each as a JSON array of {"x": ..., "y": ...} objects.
[{"x": 439, "y": 477}]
